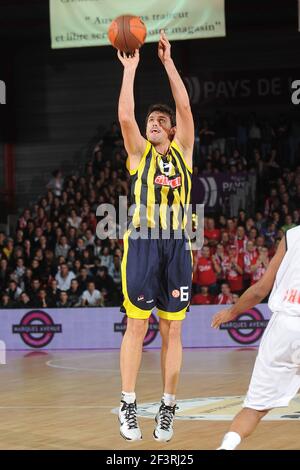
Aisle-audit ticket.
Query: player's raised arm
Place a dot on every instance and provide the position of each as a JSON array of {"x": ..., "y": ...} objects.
[
  {"x": 256, "y": 293},
  {"x": 134, "y": 142},
  {"x": 184, "y": 119}
]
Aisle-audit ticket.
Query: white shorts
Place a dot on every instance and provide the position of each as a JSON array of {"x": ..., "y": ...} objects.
[{"x": 276, "y": 376}]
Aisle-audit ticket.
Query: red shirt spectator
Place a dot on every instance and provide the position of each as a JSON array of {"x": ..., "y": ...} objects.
[
  {"x": 235, "y": 272},
  {"x": 260, "y": 265},
  {"x": 206, "y": 269},
  {"x": 204, "y": 298},
  {"x": 250, "y": 256},
  {"x": 222, "y": 258},
  {"x": 211, "y": 233},
  {"x": 231, "y": 229},
  {"x": 225, "y": 241},
  {"x": 225, "y": 297},
  {"x": 240, "y": 240}
]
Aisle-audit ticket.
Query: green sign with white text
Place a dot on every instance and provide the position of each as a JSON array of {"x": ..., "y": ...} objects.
[{"x": 81, "y": 23}]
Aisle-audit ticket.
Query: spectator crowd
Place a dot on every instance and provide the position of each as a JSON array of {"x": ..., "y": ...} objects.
[{"x": 55, "y": 259}]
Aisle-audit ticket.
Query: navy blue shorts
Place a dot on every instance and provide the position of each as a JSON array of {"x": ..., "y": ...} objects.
[{"x": 156, "y": 273}]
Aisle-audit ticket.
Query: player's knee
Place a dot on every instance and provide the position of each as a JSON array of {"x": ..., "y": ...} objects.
[
  {"x": 137, "y": 328},
  {"x": 175, "y": 330}
]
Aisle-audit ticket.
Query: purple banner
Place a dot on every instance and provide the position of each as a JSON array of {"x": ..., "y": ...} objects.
[
  {"x": 103, "y": 328},
  {"x": 211, "y": 190}
]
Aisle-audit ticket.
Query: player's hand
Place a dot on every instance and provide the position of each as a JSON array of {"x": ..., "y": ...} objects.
[
  {"x": 129, "y": 61},
  {"x": 222, "y": 317},
  {"x": 164, "y": 48}
]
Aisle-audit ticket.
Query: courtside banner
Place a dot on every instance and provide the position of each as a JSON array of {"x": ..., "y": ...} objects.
[
  {"x": 103, "y": 328},
  {"x": 79, "y": 23}
]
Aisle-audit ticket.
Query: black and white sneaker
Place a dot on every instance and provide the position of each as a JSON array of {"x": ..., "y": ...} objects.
[
  {"x": 129, "y": 428},
  {"x": 164, "y": 419}
]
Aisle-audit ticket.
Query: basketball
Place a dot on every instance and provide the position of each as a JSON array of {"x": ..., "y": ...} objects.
[{"x": 127, "y": 33}]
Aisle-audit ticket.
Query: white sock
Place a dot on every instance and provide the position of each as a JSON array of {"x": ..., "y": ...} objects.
[
  {"x": 169, "y": 399},
  {"x": 230, "y": 441},
  {"x": 129, "y": 397}
]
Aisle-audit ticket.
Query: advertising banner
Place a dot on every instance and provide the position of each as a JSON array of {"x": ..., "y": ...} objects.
[
  {"x": 79, "y": 23},
  {"x": 103, "y": 328}
]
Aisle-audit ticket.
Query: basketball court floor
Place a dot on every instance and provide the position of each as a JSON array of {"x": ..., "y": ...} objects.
[{"x": 68, "y": 400}]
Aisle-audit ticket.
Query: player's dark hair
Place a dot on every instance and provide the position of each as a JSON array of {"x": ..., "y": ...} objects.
[{"x": 162, "y": 108}]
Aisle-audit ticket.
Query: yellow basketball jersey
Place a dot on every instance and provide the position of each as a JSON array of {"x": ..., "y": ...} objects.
[{"x": 161, "y": 189}]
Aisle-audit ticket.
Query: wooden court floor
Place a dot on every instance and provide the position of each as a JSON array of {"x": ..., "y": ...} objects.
[{"x": 64, "y": 400}]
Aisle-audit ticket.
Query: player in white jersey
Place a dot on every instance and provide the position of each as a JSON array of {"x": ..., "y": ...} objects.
[{"x": 276, "y": 376}]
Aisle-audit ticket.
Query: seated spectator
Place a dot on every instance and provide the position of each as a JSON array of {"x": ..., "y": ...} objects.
[
  {"x": 203, "y": 298},
  {"x": 260, "y": 242},
  {"x": 250, "y": 257},
  {"x": 212, "y": 233},
  {"x": 225, "y": 240},
  {"x": 63, "y": 301},
  {"x": 36, "y": 268},
  {"x": 259, "y": 265},
  {"x": 89, "y": 239},
  {"x": 38, "y": 233},
  {"x": 87, "y": 260},
  {"x": 71, "y": 258},
  {"x": 115, "y": 271},
  {"x": 13, "y": 290},
  {"x": 77, "y": 267},
  {"x": 83, "y": 279},
  {"x": 24, "y": 301},
  {"x": 104, "y": 281},
  {"x": 270, "y": 234},
  {"x": 64, "y": 277},
  {"x": 62, "y": 248},
  {"x": 53, "y": 292},
  {"x": 240, "y": 239},
  {"x": 91, "y": 297},
  {"x": 34, "y": 289},
  {"x": 74, "y": 219},
  {"x": 206, "y": 270},
  {"x": 4, "y": 273},
  {"x": 231, "y": 229},
  {"x": 44, "y": 301},
  {"x": 9, "y": 248},
  {"x": 253, "y": 234},
  {"x": 235, "y": 270},
  {"x": 225, "y": 297},
  {"x": 80, "y": 246},
  {"x": 7, "y": 302},
  {"x": 222, "y": 259},
  {"x": 288, "y": 223},
  {"x": 74, "y": 294},
  {"x": 72, "y": 237},
  {"x": 49, "y": 265}
]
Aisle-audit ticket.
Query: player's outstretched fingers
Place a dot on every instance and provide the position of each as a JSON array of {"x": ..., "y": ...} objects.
[{"x": 215, "y": 323}]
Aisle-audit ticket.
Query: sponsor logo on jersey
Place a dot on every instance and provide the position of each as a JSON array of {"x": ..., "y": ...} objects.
[{"x": 163, "y": 180}]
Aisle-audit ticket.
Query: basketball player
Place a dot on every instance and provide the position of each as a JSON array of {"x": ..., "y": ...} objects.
[
  {"x": 155, "y": 272},
  {"x": 276, "y": 375}
]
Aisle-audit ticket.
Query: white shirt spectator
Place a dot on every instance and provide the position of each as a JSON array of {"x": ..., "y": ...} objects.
[
  {"x": 17, "y": 292},
  {"x": 92, "y": 298},
  {"x": 61, "y": 250},
  {"x": 115, "y": 273},
  {"x": 64, "y": 283},
  {"x": 106, "y": 261},
  {"x": 75, "y": 222}
]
